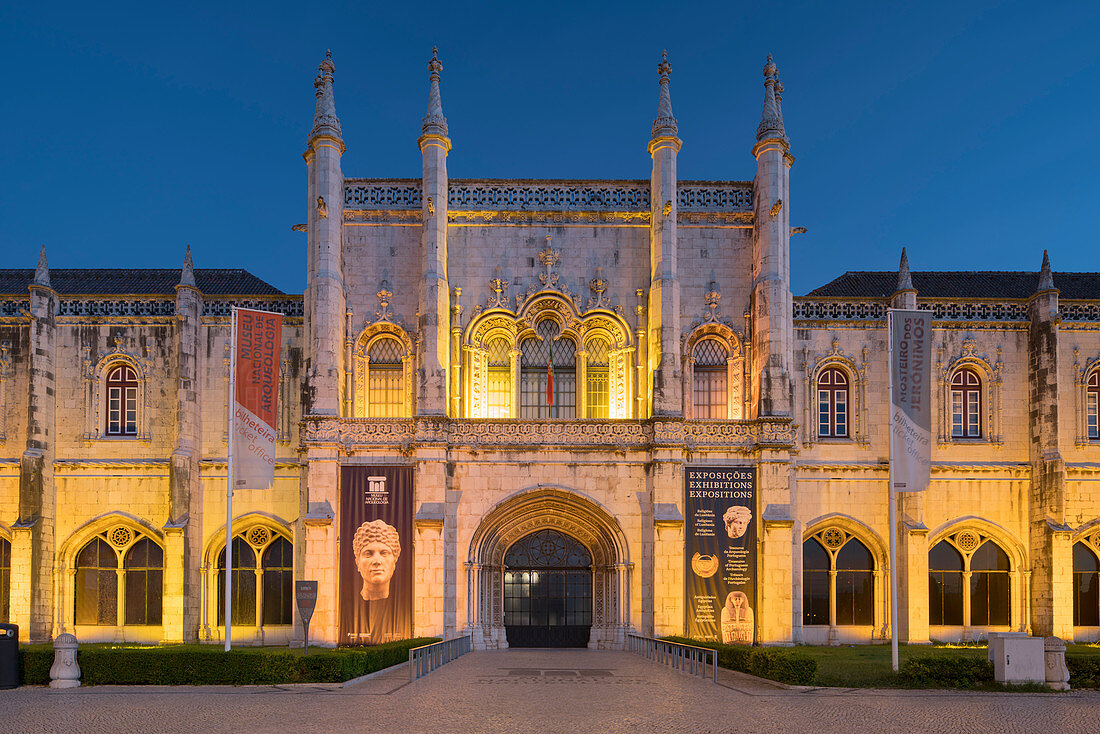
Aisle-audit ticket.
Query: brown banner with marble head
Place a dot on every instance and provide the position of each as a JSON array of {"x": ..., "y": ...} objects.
[
  {"x": 720, "y": 554},
  {"x": 376, "y": 564}
]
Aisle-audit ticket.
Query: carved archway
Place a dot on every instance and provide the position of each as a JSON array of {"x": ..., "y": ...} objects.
[{"x": 568, "y": 512}]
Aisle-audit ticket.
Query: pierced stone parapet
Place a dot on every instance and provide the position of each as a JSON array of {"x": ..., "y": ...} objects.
[
  {"x": 352, "y": 433},
  {"x": 865, "y": 309},
  {"x": 548, "y": 196},
  {"x": 14, "y": 307},
  {"x": 807, "y": 309},
  {"x": 290, "y": 306}
]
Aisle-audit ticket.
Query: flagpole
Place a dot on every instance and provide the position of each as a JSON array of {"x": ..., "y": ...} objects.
[
  {"x": 893, "y": 502},
  {"x": 229, "y": 483}
]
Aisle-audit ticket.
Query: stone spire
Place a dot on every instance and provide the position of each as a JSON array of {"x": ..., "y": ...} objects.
[
  {"x": 325, "y": 121},
  {"x": 1046, "y": 278},
  {"x": 187, "y": 275},
  {"x": 434, "y": 123},
  {"x": 771, "y": 123},
  {"x": 905, "y": 280},
  {"x": 665, "y": 124},
  {"x": 779, "y": 104},
  {"x": 42, "y": 272}
]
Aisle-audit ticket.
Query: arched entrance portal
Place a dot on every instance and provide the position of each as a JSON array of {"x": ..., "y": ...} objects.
[
  {"x": 548, "y": 591},
  {"x": 516, "y": 523}
]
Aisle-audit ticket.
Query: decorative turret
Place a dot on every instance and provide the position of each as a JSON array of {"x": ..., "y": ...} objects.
[
  {"x": 42, "y": 272},
  {"x": 1046, "y": 278},
  {"x": 771, "y": 296},
  {"x": 325, "y": 290},
  {"x": 434, "y": 303},
  {"x": 187, "y": 275},
  {"x": 771, "y": 123},
  {"x": 325, "y": 121},
  {"x": 905, "y": 295},
  {"x": 664, "y": 288}
]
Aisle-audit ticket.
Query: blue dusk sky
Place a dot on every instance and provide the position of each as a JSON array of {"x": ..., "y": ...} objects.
[{"x": 967, "y": 131}]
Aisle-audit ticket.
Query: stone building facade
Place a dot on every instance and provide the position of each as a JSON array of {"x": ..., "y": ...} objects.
[{"x": 424, "y": 340}]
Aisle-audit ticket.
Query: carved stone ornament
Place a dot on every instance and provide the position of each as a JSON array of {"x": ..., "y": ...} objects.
[
  {"x": 498, "y": 285},
  {"x": 776, "y": 208},
  {"x": 549, "y": 258},
  {"x": 385, "y": 296},
  {"x": 599, "y": 287},
  {"x": 711, "y": 299},
  {"x": 322, "y": 208}
]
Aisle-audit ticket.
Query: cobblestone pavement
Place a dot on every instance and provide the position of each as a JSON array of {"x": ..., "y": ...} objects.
[{"x": 541, "y": 691}]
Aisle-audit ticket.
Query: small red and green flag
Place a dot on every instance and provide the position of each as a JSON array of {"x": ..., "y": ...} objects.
[{"x": 550, "y": 376}]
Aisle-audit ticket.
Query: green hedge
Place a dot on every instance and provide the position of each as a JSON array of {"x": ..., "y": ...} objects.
[
  {"x": 773, "y": 663},
  {"x": 211, "y": 665},
  {"x": 946, "y": 672},
  {"x": 1084, "y": 671}
]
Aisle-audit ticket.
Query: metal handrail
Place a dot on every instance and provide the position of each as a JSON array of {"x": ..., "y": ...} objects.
[
  {"x": 426, "y": 658},
  {"x": 678, "y": 656}
]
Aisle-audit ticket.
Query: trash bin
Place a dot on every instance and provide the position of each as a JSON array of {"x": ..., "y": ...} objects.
[{"x": 9, "y": 656}]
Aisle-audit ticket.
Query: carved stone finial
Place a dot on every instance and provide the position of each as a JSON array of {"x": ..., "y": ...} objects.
[
  {"x": 771, "y": 123},
  {"x": 187, "y": 275},
  {"x": 599, "y": 287},
  {"x": 665, "y": 124},
  {"x": 325, "y": 121},
  {"x": 905, "y": 279},
  {"x": 1046, "y": 278},
  {"x": 711, "y": 299},
  {"x": 434, "y": 122},
  {"x": 42, "y": 272},
  {"x": 385, "y": 296},
  {"x": 549, "y": 258},
  {"x": 456, "y": 310},
  {"x": 498, "y": 285}
]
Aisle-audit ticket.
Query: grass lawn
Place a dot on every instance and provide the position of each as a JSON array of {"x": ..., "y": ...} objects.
[{"x": 859, "y": 666}]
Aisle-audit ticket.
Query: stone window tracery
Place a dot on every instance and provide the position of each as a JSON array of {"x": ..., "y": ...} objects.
[
  {"x": 835, "y": 404},
  {"x": 263, "y": 579},
  {"x": 838, "y": 585},
  {"x": 383, "y": 363},
  {"x": 969, "y": 582},
  {"x": 548, "y": 374},
  {"x": 970, "y": 396},
  {"x": 119, "y": 575},
  {"x": 115, "y": 396},
  {"x": 713, "y": 373}
]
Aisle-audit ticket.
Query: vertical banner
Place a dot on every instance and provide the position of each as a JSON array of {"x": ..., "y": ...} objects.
[
  {"x": 910, "y": 400},
  {"x": 376, "y": 554},
  {"x": 256, "y": 341},
  {"x": 720, "y": 554}
]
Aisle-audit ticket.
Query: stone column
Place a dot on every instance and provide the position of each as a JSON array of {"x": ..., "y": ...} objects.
[{"x": 775, "y": 582}]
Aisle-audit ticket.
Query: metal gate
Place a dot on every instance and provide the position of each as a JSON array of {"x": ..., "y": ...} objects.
[{"x": 548, "y": 591}]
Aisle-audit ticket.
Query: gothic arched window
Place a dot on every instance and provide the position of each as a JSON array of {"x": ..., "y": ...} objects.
[
  {"x": 385, "y": 383},
  {"x": 966, "y": 404},
  {"x": 546, "y": 392},
  {"x": 244, "y": 584},
  {"x": 596, "y": 379},
  {"x": 815, "y": 582},
  {"x": 97, "y": 584},
  {"x": 278, "y": 572},
  {"x": 263, "y": 579},
  {"x": 986, "y": 600},
  {"x": 144, "y": 571},
  {"x": 1092, "y": 392},
  {"x": 855, "y": 584},
  {"x": 710, "y": 372},
  {"x": 1086, "y": 587},
  {"x": 122, "y": 401},
  {"x": 989, "y": 585},
  {"x": 500, "y": 378},
  {"x": 832, "y": 403},
  {"x": 5, "y": 580},
  {"x": 838, "y": 586},
  {"x": 945, "y": 585}
]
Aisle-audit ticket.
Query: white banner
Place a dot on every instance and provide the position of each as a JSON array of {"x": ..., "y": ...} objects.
[{"x": 910, "y": 399}]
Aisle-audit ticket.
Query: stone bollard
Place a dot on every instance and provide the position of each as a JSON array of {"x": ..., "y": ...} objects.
[
  {"x": 1057, "y": 672},
  {"x": 65, "y": 673}
]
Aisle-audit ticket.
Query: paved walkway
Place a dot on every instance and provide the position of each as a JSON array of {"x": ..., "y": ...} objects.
[{"x": 541, "y": 691}]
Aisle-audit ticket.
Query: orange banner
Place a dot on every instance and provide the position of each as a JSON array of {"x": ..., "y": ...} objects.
[{"x": 256, "y": 340}]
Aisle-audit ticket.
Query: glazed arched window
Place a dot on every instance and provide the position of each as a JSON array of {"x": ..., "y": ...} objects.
[
  {"x": 144, "y": 571},
  {"x": 122, "y": 401},
  {"x": 1086, "y": 587},
  {"x": 832, "y": 403},
  {"x": 244, "y": 584},
  {"x": 966, "y": 404},
  {"x": 500, "y": 378},
  {"x": 709, "y": 377},
  {"x": 5, "y": 580},
  {"x": 263, "y": 579},
  {"x": 989, "y": 585},
  {"x": 1092, "y": 392},
  {"x": 385, "y": 388},
  {"x": 596, "y": 379},
  {"x": 816, "y": 565},
  {"x": 278, "y": 571},
  {"x": 97, "y": 584},
  {"x": 838, "y": 584},
  {"x": 945, "y": 585},
  {"x": 545, "y": 391}
]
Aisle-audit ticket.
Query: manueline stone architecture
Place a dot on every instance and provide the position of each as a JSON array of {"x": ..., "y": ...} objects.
[{"x": 435, "y": 312}]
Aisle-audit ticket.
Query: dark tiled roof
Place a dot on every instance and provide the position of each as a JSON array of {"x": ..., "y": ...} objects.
[
  {"x": 959, "y": 284},
  {"x": 143, "y": 281}
]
